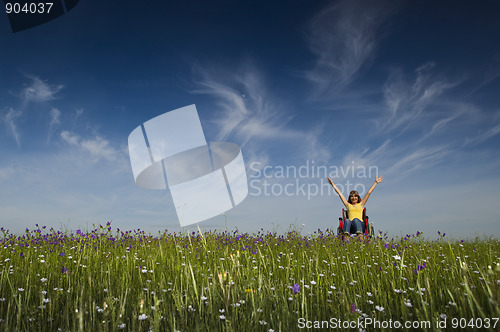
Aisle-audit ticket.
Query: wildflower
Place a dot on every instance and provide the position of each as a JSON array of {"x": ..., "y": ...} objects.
[
  {"x": 222, "y": 311},
  {"x": 296, "y": 288},
  {"x": 379, "y": 308},
  {"x": 143, "y": 317},
  {"x": 353, "y": 307},
  {"x": 222, "y": 317},
  {"x": 64, "y": 270},
  {"x": 369, "y": 294},
  {"x": 397, "y": 257},
  {"x": 43, "y": 279}
]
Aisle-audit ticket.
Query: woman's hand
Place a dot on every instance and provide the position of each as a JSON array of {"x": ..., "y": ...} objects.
[
  {"x": 379, "y": 179},
  {"x": 330, "y": 181}
]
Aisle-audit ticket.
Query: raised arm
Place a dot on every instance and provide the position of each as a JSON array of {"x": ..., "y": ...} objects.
[
  {"x": 377, "y": 181},
  {"x": 342, "y": 198}
]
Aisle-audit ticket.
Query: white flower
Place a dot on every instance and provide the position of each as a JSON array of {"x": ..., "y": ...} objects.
[
  {"x": 379, "y": 308},
  {"x": 43, "y": 279},
  {"x": 222, "y": 311},
  {"x": 222, "y": 317},
  {"x": 397, "y": 257},
  {"x": 143, "y": 317}
]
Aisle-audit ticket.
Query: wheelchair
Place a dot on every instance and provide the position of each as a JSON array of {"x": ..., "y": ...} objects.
[{"x": 366, "y": 227}]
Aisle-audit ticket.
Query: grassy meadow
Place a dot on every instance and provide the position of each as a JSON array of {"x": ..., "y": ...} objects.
[{"x": 107, "y": 280}]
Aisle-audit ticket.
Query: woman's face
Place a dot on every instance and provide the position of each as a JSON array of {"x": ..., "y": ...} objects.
[{"x": 354, "y": 198}]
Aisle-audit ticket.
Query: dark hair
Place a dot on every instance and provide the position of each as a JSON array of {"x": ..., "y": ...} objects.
[{"x": 354, "y": 193}]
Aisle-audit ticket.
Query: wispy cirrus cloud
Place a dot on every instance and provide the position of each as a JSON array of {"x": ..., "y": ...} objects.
[
  {"x": 98, "y": 147},
  {"x": 55, "y": 121},
  {"x": 251, "y": 114},
  {"x": 38, "y": 91},
  {"x": 406, "y": 101},
  {"x": 423, "y": 123},
  {"x": 343, "y": 37},
  {"x": 9, "y": 119},
  {"x": 35, "y": 92}
]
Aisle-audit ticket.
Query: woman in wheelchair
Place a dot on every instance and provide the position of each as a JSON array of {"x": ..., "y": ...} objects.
[{"x": 354, "y": 206}]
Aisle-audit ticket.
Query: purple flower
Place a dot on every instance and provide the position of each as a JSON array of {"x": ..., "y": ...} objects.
[
  {"x": 296, "y": 288},
  {"x": 420, "y": 267},
  {"x": 64, "y": 270},
  {"x": 22, "y": 255},
  {"x": 61, "y": 254},
  {"x": 79, "y": 232},
  {"x": 386, "y": 246},
  {"x": 353, "y": 307}
]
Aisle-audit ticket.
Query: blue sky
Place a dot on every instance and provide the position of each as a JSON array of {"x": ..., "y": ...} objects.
[{"x": 409, "y": 89}]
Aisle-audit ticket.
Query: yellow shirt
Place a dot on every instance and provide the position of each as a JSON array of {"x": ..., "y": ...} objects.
[{"x": 354, "y": 211}]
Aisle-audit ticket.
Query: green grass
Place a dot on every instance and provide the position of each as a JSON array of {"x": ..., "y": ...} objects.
[{"x": 104, "y": 280}]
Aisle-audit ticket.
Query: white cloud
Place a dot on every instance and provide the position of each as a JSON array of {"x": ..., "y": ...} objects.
[
  {"x": 9, "y": 119},
  {"x": 343, "y": 38},
  {"x": 39, "y": 91},
  {"x": 483, "y": 136},
  {"x": 249, "y": 113},
  {"x": 406, "y": 101},
  {"x": 55, "y": 120},
  {"x": 97, "y": 147}
]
